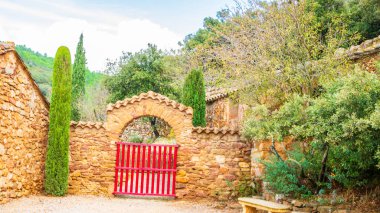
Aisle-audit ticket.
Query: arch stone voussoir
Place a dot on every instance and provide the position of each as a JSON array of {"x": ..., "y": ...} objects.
[{"x": 178, "y": 116}]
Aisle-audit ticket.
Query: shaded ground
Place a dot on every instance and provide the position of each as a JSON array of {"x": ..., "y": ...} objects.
[{"x": 83, "y": 204}]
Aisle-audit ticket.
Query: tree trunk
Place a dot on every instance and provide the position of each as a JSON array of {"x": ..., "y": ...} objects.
[
  {"x": 324, "y": 162},
  {"x": 153, "y": 122}
]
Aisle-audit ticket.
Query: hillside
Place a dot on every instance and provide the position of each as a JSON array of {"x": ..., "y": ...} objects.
[{"x": 41, "y": 66}]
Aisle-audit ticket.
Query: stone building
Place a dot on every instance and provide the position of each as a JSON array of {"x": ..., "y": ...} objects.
[
  {"x": 23, "y": 128},
  {"x": 222, "y": 110}
]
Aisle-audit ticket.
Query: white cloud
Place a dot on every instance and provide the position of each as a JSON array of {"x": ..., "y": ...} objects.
[{"x": 103, "y": 39}]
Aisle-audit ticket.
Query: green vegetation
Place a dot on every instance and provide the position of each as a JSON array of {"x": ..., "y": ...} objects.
[
  {"x": 194, "y": 95},
  {"x": 338, "y": 132},
  {"x": 139, "y": 72},
  {"x": 79, "y": 72},
  {"x": 41, "y": 66},
  {"x": 57, "y": 158}
]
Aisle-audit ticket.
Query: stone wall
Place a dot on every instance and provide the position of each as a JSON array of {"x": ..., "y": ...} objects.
[
  {"x": 92, "y": 160},
  {"x": 23, "y": 129},
  {"x": 212, "y": 162},
  {"x": 224, "y": 112}
]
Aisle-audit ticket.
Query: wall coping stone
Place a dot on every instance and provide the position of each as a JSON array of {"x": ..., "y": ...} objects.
[
  {"x": 154, "y": 96},
  {"x": 214, "y": 130}
]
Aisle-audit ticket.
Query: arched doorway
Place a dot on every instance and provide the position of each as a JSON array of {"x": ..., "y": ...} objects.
[{"x": 147, "y": 169}]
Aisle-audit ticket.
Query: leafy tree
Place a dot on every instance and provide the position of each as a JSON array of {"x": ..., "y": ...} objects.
[
  {"x": 364, "y": 17},
  {"x": 140, "y": 72},
  {"x": 194, "y": 95},
  {"x": 57, "y": 159},
  {"x": 276, "y": 49},
  {"x": 79, "y": 76}
]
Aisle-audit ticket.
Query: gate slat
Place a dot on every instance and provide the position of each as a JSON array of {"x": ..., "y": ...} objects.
[
  {"x": 164, "y": 172},
  {"x": 147, "y": 172},
  {"x": 143, "y": 170},
  {"x": 127, "y": 171},
  {"x": 122, "y": 170},
  {"x": 158, "y": 172},
  {"x": 169, "y": 173},
  {"x": 138, "y": 170},
  {"x": 153, "y": 166},
  {"x": 174, "y": 169},
  {"x": 116, "y": 166},
  {"x": 132, "y": 171}
]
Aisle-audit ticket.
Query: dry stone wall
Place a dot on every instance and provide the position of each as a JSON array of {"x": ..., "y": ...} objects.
[
  {"x": 23, "y": 129},
  {"x": 212, "y": 162}
]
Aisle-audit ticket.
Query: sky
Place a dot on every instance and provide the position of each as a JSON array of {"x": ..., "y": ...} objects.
[{"x": 109, "y": 26}]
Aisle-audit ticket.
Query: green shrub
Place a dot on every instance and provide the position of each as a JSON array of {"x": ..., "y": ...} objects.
[
  {"x": 194, "y": 95},
  {"x": 57, "y": 158},
  {"x": 339, "y": 131},
  {"x": 135, "y": 138}
]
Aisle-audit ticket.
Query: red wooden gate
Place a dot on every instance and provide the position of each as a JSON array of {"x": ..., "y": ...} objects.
[{"x": 145, "y": 169}]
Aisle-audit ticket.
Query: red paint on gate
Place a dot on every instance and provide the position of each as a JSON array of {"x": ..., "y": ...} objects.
[{"x": 146, "y": 171}]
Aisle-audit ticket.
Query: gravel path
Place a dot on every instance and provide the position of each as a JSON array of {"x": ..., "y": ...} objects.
[{"x": 83, "y": 204}]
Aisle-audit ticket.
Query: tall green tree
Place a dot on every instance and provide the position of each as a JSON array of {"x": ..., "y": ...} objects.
[
  {"x": 79, "y": 75},
  {"x": 194, "y": 95},
  {"x": 57, "y": 159}
]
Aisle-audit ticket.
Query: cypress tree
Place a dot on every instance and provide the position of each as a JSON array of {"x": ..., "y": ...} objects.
[
  {"x": 79, "y": 74},
  {"x": 57, "y": 159},
  {"x": 194, "y": 95}
]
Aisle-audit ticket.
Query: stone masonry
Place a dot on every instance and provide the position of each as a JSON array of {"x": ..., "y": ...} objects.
[
  {"x": 23, "y": 128},
  {"x": 211, "y": 162}
]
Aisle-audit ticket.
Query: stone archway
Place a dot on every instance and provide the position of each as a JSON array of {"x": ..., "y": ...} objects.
[{"x": 121, "y": 113}]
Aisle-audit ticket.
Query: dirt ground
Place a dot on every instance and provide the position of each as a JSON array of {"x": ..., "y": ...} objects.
[{"x": 84, "y": 204}]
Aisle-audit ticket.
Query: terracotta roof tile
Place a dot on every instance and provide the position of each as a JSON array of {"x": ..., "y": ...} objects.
[
  {"x": 90, "y": 124},
  {"x": 213, "y": 93},
  {"x": 151, "y": 95},
  {"x": 223, "y": 130}
]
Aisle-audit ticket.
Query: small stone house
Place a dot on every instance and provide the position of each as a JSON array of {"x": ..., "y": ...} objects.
[{"x": 23, "y": 128}]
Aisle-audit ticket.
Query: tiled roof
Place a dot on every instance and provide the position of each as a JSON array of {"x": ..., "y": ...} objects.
[
  {"x": 90, "y": 125},
  {"x": 213, "y": 93},
  {"x": 151, "y": 95},
  {"x": 6, "y": 47},
  {"x": 366, "y": 48},
  {"x": 223, "y": 130}
]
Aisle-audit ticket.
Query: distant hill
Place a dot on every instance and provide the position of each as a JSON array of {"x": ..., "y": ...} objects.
[{"x": 41, "y": 67}]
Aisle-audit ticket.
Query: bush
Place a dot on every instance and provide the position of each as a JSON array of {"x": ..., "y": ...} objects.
[
  {"x": 135, "y": 139},
  {"x": 339, "y": 130},
  {"x": 57, "y": 159}
]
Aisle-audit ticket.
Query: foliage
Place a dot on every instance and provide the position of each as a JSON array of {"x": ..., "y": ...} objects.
[
  {"x": 41, "y": 66},
  {"x": 135, "y": 139},
  {"x": 364, "y": 17},
  {"x": 341, "y": 127},
  {"x": 284, "y": 178},
  {"x": 140, "y": 72},
  {"x": 194, "y": 95},
  {"x": 92, "y": 106},
  {"x": 274, "y": 50},
  {"x": 57, "y": 158},
  {"x": 79, "y": 72}
]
